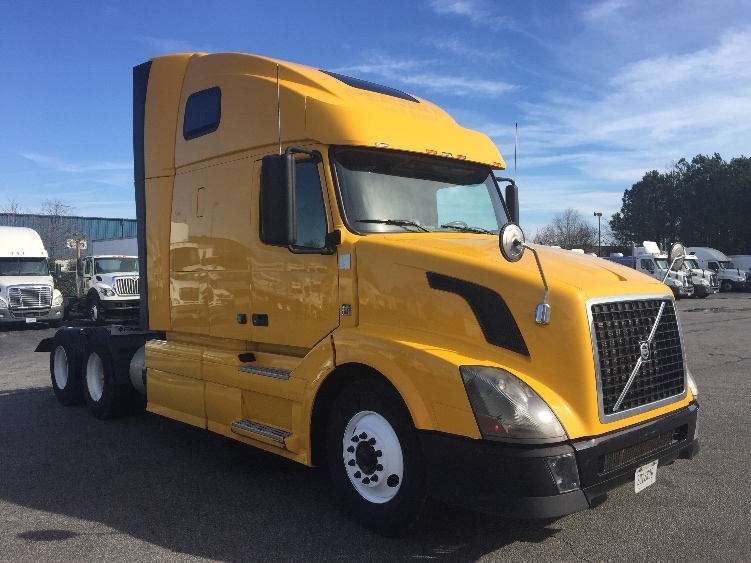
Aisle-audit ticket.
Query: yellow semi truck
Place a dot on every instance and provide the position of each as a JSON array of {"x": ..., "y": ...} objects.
[{"x": 331, "y": 272}]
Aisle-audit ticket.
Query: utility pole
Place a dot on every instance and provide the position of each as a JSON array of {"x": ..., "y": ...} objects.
[{"x": 599, "y": 234}]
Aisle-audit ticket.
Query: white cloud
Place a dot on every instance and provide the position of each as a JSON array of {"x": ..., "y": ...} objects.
[
  {"x": 478, "y": 12},
  {"x": 409, "y": 73},
  {"x": 167, "y": 45},
  {"x": 86, "y": 167}
]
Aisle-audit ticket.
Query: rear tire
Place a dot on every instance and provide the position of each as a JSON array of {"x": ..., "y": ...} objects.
[
  {"x": 103, "y": 395},
  {"x": 68, "y": 349},
  {"x": 375, "y": 459}
]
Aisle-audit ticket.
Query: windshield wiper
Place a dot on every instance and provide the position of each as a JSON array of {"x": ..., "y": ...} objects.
[
  {"x": 464, "y": 228},
  {"x": 404, "y": 223}
]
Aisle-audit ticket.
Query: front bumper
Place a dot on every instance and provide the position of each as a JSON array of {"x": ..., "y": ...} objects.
[
  {"x": 120, "y": 308},
  {"x": 514, "y": 481},
  {"x": 706, "y": 289},
  {"x": 685, "y": 291},
  {"x": 51, "y": 315}
]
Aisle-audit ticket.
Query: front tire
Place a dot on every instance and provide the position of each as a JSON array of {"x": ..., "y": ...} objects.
[
  {"x": 726, "y": 286},
  {"x": 375, "y": 459},
  {"x": 65, "y": 366},
  {"x": 94, "y": 310}
]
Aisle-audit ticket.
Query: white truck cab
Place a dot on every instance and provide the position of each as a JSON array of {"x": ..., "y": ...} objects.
[
  {"x": 729, "y": 275},
  {"x": 108, "y": 285},
  {"x": 27, "y": 291},
  {"x": 705, "y": 281},
  {"x": 650, "y": 260}
]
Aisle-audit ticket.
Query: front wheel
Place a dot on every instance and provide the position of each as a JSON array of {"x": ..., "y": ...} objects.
[
  {"x": 726, "y": 286},
  {"x": 375, "y": 458},
  {"x": 94, "y": 310}
]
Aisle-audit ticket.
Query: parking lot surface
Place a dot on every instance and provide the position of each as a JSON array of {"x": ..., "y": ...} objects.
[{"x": 145, "y": 488}]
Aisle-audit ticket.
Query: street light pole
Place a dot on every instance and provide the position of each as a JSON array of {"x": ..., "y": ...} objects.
[{"x": 599, "y": 234}]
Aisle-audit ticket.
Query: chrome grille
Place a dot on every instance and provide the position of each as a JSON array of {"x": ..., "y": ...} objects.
[
  {"x": 713, "y": 280},
  {"x": 30, "y": 296},
  {"x": 126, "y": 286},
  {"x": 620, "y": 330}
]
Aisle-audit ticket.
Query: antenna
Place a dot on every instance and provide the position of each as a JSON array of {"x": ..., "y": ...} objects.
[{"x": 278, "y": 109}]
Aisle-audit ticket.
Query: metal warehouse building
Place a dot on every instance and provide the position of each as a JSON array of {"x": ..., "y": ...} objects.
[{"x": 56, "y": 230}]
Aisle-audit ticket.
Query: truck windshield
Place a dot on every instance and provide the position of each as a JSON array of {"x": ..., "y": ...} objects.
[
  {"x": 112, "y": 265},
  {"x": 690, "y": 264},
  {"x": 388, "y": 191},
  {"x": 661, "y": 263},
  {"x": 24, "y": 267},
  {"x": 727, "y": 265}
]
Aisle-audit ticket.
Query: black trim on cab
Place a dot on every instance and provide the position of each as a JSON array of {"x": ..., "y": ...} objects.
[
  {"x": 140, "y": 83},
  {"x": 493, "y": 315}
]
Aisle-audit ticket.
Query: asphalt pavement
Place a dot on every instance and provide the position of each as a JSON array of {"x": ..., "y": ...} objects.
[{"x": 145, "y": 488}]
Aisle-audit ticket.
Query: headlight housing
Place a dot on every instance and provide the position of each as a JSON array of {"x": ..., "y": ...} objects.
[
  {"x": 691, "y": 383},
  {"x": 3, "y": 303},
  {"x": 58, "y": 299},
  {"x": 106, "y": 291},
  {"x": 508, "y": 409}
]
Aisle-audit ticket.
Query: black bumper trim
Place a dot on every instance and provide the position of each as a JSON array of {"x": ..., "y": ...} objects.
[{"x": 514, "y": 481}]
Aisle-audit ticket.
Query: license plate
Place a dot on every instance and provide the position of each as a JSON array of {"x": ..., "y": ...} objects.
[
  {"x": 31, "y": 319},
  {"x": 645, "y": 476}
]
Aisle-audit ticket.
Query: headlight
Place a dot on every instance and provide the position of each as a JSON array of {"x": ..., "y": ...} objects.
[
  {"x": 692, "y": 383},
  {"x": 3, "y": 303},
  {"x": 106, "y": 291},
  {"x": 58, "y": 299},
  {"x": 506, "y": 408}
]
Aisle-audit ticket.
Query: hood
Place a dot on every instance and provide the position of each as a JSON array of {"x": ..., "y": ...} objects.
[
  {"x": 478, "y": 256},
  {"x": 457, "y": 295}
]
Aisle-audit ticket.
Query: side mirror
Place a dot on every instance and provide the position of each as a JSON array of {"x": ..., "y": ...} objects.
[
  {"x": 512, "y": 244},
  {"x": 277, "y": 205}
]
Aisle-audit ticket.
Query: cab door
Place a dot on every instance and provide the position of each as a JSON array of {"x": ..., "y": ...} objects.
[{"x": 294, "y": 291}]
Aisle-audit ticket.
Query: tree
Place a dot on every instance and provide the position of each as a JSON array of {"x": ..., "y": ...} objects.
[
  {"x": 705, "y": 202},
  {"x": 12, "y": 208},
  {"x": 55, "y": 234},
  {"x": 568, "y": 230}
]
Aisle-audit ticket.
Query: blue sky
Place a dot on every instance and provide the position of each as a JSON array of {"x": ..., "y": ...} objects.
[{"x": 602, "y": 91}]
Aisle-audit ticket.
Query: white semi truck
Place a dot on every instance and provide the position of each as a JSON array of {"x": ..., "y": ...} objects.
[
  {"x": 649, "y": 259},
  {"x": 705, "y": 281},
  {"x": 107, "y": 281},
  {"x": 27, "y": 290},
  {"x": 730, "y": 277}
]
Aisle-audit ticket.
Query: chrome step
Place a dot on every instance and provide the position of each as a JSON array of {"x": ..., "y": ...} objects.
[{"x": 251, "y": 429}]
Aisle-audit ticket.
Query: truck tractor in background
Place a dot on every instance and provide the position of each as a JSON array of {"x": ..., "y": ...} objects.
[
  {"x": 107, "y": 282},
  {"x": 729, "y": 275},
  {"x": 27, "y": 289},
  {"x": 650, "y": 260},
  {"x": 330, "y": 271},
  {"x": 705, "y": 281}
]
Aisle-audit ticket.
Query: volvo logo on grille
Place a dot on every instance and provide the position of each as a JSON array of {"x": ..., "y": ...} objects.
[{"x": 644, "y": 350}]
